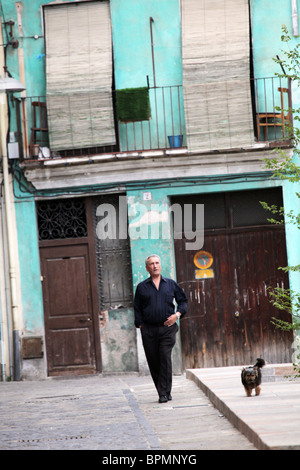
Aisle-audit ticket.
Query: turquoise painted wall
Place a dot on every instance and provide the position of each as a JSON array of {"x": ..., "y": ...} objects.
[
  {"x": 133, "y": 63},
  {"x": 33, "y": 47},
  {"x": 31, "y": 288},
  {"x": 267, "y": 19},
  {"x": 150, "y": 231},
  {"x": 292, "y": 203},
  {"x": 268, "y": 16},
  {"x": 132, "y": 43}
]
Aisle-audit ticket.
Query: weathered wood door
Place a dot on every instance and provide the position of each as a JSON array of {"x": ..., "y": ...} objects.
[
  {"x": 68, "y": 309},
  {"x": 68, "y": 269},
  {"x": 229, "y": 313}
]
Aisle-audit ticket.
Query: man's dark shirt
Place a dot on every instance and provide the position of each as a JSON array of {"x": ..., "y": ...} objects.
[{"x": 155, "y": 306}]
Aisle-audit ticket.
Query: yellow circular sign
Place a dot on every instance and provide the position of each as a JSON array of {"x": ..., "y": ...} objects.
[{"x": 203, "y": 259}]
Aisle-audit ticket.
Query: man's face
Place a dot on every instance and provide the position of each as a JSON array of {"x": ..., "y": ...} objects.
[{"x": 153, "y": 267}]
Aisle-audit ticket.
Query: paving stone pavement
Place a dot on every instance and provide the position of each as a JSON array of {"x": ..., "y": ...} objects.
[{"x": 111, "y": 413}]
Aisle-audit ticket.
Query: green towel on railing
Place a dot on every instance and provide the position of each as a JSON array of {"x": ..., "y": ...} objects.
[{"x": 133, "y": 104}]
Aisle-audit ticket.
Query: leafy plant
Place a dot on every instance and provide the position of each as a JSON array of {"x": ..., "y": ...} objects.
[{"x": 287, "y": 168}]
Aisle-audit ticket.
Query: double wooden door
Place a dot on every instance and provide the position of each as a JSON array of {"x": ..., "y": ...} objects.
[
  {"x": 228, "y": 281},
  {"x": 229, "y": 319}
]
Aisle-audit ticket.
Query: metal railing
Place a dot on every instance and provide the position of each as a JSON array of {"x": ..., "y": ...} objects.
[
  {"x": 165, "y": 129},
  {"x": 273, "y": 108}
]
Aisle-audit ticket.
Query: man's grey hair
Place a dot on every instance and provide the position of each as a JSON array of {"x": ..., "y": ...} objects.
[{"x": 151, "y": 256}]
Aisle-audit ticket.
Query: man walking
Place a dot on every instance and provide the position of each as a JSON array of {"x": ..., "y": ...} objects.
[{"x": 156, "y": 317}]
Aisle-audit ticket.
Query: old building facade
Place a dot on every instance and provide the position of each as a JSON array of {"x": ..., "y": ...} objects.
[{"x": 137, "y": 116}]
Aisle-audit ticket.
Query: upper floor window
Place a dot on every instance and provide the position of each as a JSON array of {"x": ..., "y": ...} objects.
[{"x": 79, "y": 75}]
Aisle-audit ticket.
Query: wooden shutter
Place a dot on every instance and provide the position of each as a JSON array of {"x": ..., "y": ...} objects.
[
  {"x": 79, "y": 75},
  {"x": 216, "y": 83}
]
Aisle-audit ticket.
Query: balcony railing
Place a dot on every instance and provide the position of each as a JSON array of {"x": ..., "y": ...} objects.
[
  {"x": 273, "y": 109},
  {"x": 166, "y": 127}
]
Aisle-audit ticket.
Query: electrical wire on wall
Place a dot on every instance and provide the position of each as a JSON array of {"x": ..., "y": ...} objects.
[{"x": 27, "y": 189}]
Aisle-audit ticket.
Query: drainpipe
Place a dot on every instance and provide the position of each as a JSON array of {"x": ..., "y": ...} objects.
[
  {"x": 6, "y": 319},
  {"x": 3, "y": 337},
  {"x": 11, "y": 249},
  {"x": 152, "y": 51},
  {"x": 295, "y": 17}
]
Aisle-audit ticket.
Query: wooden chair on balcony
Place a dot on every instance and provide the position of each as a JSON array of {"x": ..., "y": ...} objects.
[
  {"x": 39, "y": 129},
  {"x": 276, "y": 119}
]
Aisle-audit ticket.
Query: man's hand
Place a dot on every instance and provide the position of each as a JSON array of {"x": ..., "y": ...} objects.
[{"x": 171, "y": 320}]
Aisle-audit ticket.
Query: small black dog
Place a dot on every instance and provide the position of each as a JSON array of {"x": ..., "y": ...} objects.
[{"x": 251, "y": 377}]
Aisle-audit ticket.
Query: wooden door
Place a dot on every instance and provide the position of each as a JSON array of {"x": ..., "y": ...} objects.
[
  {"x": 68, "y": 308},
  {"x": 229, "y": 314},
  {"x": 229, "y": 319}
]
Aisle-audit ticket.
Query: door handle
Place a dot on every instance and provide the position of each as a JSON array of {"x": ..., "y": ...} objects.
[{"x": 83, "y": 320}]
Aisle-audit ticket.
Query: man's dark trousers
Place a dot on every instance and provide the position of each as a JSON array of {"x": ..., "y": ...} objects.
[{"x": 158, "y": 342}]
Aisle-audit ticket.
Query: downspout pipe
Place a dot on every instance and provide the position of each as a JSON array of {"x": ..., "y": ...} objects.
[
  {"x": 152, "y": 51},
  {"x": 295, "y": 18},
  {"x": 6, "y": 320},
  {"x": 11, "y": 249},
  {"x": 2, "y": 341}
]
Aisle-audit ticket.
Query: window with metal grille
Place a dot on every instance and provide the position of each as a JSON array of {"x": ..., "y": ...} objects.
[
  {"x": 113, "y": 257},
  {"x": 62, "y": 218}
]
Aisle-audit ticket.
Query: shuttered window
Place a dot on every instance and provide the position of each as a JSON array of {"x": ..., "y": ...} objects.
[
  {"x": 216, "y": 76},
  {"x": 79, "y": 75}
]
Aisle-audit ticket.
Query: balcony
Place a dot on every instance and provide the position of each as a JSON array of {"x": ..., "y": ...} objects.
[
  {"x": 273, "y": 109},
  {"x": 164, "y": 129}
]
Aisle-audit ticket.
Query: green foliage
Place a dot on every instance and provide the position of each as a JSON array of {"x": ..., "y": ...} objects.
[
  {"x": 290, "y": 64},
  {"x": 287, "y": 168}
]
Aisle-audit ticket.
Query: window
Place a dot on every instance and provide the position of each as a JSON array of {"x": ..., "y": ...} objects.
[
  {"x": 234, "y": 209},
  {"x": 216, "y": 71},
  {"x": 79, "y": 75},
  {"x": 59, "y": 219}
]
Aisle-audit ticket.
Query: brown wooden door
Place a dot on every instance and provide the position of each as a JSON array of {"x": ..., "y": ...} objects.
[
  {"x": 68, "y": 308},
  {"x": 229, "y": 313}
]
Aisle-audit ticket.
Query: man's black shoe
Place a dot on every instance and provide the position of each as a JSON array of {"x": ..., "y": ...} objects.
[
  {"x": 163, "y": 399},
  {"x": 169, "y": 396}
]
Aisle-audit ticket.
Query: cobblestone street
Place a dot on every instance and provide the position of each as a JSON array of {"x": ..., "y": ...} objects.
[{"x": 111, "y": 413}]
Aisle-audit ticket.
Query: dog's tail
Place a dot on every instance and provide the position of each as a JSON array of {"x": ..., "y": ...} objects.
[{"x": 259, "y": 362}]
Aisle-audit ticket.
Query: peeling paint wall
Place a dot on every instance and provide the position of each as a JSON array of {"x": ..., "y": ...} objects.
[
  {"x": 149, "y": 222},
  {"x": 118, "y": 341},
  {"x": 150, "y": 228}
]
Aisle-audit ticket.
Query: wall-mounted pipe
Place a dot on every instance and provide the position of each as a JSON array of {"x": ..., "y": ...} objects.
[
  {"x": 3, "y": 336},
  {"x": 152, "y": 51},
  {"x": 295, "y": 17},
  {"x": 14, "y": 312},
  {"x": 7, "y": 320}
]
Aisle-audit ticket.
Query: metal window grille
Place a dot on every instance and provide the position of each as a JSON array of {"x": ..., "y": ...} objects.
[{"x": 59, "y": 219}]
